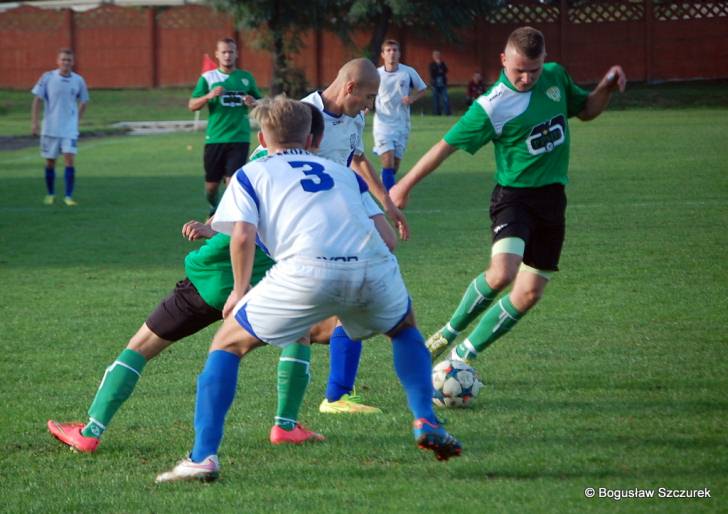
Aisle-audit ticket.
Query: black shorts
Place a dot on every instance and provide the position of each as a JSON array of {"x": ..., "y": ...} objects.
[
  {"x": 182, "y": 313},
  {"x": 224, "y": 159},
  {"x": 536, "y": 215}
]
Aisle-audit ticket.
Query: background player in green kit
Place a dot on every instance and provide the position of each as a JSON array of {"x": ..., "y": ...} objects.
[
  {"x": 525, "y": 115},
  {"x": 195, "y": 303},
  {"x": 227, "y": 92}
]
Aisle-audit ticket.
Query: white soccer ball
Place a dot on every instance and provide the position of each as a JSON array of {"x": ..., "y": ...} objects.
[{"x": 455, "y": 384}]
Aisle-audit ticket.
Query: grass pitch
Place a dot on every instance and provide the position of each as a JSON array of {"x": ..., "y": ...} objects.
[{"x": 615, "y": 380}]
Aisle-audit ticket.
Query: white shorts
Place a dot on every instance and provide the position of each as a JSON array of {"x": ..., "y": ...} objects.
[
  {"x": 51, "y": 147},
  {"x": 388, "y": 141},
  {"x": 368, "y": 297}
]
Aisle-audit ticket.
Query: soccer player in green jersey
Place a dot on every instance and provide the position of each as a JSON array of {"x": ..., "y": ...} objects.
[
  {"x": 227, "y": 92},
  {"x": 525, "y": 115},
  {"x": 195, "y": 303}
]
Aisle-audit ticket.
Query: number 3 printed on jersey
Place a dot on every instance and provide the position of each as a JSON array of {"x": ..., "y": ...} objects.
[{"x": 320, "y": 181}]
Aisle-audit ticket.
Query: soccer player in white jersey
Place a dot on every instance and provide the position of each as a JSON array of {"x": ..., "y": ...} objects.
[
  {"x": 341, "y": 104},
  {"x": 64, "y": 96},
  {"x": 399, "y": 87},
  {"x": 312, "y": 216}
]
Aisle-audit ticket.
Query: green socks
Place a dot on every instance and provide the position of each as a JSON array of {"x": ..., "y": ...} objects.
[
  {"x": 497, "y": 321},
  {"x": 293, "y": 378},
  {"x": 476, "y": 299},
  {"x": 116, "y": 386}
]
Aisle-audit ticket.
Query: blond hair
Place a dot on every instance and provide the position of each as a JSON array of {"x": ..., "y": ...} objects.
[{"x": 283, "y": 121}]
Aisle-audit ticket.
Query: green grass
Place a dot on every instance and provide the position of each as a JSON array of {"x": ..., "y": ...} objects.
[
  {"x": 109, "y": 106},
  {"x": 616, "y": 379}
]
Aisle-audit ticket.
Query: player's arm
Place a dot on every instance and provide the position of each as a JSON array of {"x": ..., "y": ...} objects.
[
  {"x": 426, "y": 165},
  {"x": 242, "y": 255},
  {"x": 615, "y": 79},
  {"x": 81, "y": 110},
  {"x": 362, "y": 167},
  {"x": 385, "y": 230},
  {"x": 35, "y": 115},
  {"x": 195, "y": 104},
  {"x": 409, "y": 100},
  {"x": 194, "y": 230}
]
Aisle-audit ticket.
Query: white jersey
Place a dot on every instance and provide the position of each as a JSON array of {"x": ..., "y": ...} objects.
[
  {"x": 60, "y": 96},
  {"x": 343, "y": 135},
  {"x": 391, "y": 114},
  {"x": 302, "y": 206}
]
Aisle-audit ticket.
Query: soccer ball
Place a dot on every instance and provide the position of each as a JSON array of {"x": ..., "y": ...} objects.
[{"x": 455, "y": 384}]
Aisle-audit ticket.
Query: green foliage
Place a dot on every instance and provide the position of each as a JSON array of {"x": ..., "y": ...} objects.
[
  {"x": 616, "y": 379},
  {"x": 420, "y": 15}
]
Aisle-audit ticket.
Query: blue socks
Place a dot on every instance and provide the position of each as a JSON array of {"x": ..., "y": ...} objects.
[
  {"x": 388, "y": 177},
  {"x": 69, "y": 176},
  {"x": 215, "y": 392},
  {"x": 50, "y": 178},
  {"x": 344, "y": 355},
  {"x": 413, "y": 365}
]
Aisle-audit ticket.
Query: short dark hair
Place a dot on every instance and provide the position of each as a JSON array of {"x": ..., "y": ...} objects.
[
  {"x": 66, "y": 51},
  {"x": 527, "y": 41},
  {"x": 317, "y": 122},
  {"x": 390, "y": 42}
]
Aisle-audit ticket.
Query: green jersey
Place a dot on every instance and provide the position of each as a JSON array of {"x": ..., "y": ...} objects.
[
  {"x": 210, "y": 270},
  {"x": 529, "y": 129},
  {"x": 228, "y": 119}
]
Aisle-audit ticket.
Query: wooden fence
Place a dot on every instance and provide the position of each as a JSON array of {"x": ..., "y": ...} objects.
[{"x": 121, "y": 47}]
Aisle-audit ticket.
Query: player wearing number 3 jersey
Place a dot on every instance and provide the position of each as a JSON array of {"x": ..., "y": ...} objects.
[{"x": 311, "y": 215}]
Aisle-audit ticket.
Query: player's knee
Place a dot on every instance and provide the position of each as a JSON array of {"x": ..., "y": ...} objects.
[
  {"x": 147, "y": 343},
  {"x": 499, "y": 278}
]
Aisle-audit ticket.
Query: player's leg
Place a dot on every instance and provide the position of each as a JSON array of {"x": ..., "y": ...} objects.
[
  {"x": 414, "y": 369},
  {"x": 504, "y": 314},
  {"x": 388, "y": 310},
  {"x": 344, "y": 357},
  {"x": 483, "y": 289},
  {"x": 293, "y": 378},
  {"x": 214, "y": 161},
  {"x": 68, "y": 147},
  {"x": 510, "y": 230},
  {"x": 540, "y": 259},
  {"x": 50, "y": 150},
  {"x": 182, "y": 313},
  {"x": 388, "y": 168},
  {"x": 216, "y": 386}
]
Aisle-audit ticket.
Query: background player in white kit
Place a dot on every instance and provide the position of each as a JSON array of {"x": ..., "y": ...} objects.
[
  {"x": 399, "y": 87},
  {"x": 64, "y": 95},
  {"x": 311, "y": 214}
]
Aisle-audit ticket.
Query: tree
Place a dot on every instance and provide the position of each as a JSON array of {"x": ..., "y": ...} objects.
[
  {"x": 422, "y": 15},
  {"x": 285, "y": 21}
]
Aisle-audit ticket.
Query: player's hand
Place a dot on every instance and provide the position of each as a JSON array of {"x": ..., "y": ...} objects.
[
  {"x": 249, "y": 101},
  {"x": 35, "y": 129},
  {"x": 615, "y": 79},
  {"x": 399, "y": 196},
  {"x": 193, "y": 230},
  {"x": 216, "y": 91},
  {"x": 231, "y": 302},
  {"x": 406, "y": 100},
  {"x": 398, "y": 218}
]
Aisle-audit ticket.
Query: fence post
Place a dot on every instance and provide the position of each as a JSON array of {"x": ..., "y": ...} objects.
[
  {"x": 649, "y": 17},
  {"x": 153, "y": 47},
  {"x": 563, "y": 31},
  {"x": 68, "y": 24}
]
